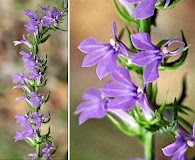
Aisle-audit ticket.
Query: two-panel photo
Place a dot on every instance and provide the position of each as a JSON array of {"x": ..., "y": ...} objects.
[{"x": 97, "y": 80}]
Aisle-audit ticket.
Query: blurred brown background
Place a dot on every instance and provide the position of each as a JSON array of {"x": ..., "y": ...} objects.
[
  {"x": 12, "y": 28},
  {"x": 99, "y": 139}
]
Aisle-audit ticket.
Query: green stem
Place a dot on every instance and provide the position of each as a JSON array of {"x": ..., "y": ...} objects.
[
  {"x": 145, "y": 25},
  {"x": 149, "y": 146},
  {"x": 38, "y": 150}
]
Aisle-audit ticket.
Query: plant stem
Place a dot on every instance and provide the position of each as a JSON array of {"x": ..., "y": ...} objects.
[
  {"x": 148, "y": 143},
  {"x": 145, "y": 25},
  {"x": 38, "y": 150}
]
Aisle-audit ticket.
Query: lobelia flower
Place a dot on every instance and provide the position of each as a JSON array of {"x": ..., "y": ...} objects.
[
  {"x": 27, "y": 132},
  {"x": 51, "y": 17},
  {"x": 22, "y": 119},
  {"x": 125, "y": 93},
  {"x": 35, "y": 100},
  {"x": 150, "y": 55},
  {"x": 35, "y": 23},
  {"x": 25, "y": 41},
  {"x": 33, "y": 155},
  {"x": 178, "y": 149},
  {"x": 48, "y": 149},
  {"x": 103, "y": 54},
  {"x": 144, "y": 8},
  {"x": 37, "y": 119},
  {"x": 95, "y": 106}
]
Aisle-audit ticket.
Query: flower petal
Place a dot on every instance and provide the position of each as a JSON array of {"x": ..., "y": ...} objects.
[
  {"x": 112, "y": 89},
  {"x": 114, "y": 30},
  {"x": 145, "y": 9},
  {"x": 121, "y": 75},
  {"x": 95, "y": 112},
  {"x": 144, "y": 57},
  {"x": 93, "y": 58},
  {"x": 151, "y": 71},
  {"x": 89, "y": 45},
  {"x": 124, "y": 103},
  {"x": 106, "y": 65},
  {"x": 92, "y": 93},
  {"x": 142, "y": 41},
  {"x": 177, "y": 51}
]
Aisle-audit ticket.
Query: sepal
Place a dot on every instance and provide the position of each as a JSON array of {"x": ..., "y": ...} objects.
[{"x": 171, "y": 5}]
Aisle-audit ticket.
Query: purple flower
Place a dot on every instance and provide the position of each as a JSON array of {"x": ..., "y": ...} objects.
[
  {"x": 37, "y": 119},
  {"x": 35, "y": 24},
  {"x": 145, "y": 8},
  {"x": 48, "y": 149},
  {"x": 51, "y": 17},
  {"x": 35, "y": 100},
  {"x": 150, "y": 55},
  {"x": 104, "y": 54},
  {"x": 25, "y": 41},
  {"x": 22, "y": 119},
  {"x": 125, "y": 93},
  {"x": 17, "y": 77},
  {"x": 178, "y": 149},
  {"x": 94, "y": 106},
  {"x": 24, "y": 86},
  {"x": 33, "y": 155},
  {"x": 27, "y": 132}
]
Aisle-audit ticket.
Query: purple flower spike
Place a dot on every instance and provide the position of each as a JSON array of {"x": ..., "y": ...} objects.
[
  {"x": 177, "y": 150},
  {"x": 144, "y": 8},
  {"x": 94, "y": 106},
  {"x": 150, "y": 55},
  {"x": 125, "y": 93},
  {"x": 104, "y": 54}
]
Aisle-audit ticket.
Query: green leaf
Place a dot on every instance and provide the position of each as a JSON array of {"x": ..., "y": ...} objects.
[
  {"x": 131, "y": 47},
  {"x": 43, "y": 83},
  {"x": 184, "y": 92},
  {"x": 163, "y": 104},
  {"x": 47, "y": 97},
  {"x": 42, "y": 40},
  {"x": 159, "y": 45},
  {"x": 121, "y": 34},
  {"x": 171, "y": 5}
]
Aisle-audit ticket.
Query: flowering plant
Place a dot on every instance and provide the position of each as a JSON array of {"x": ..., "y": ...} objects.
[
  {"x": 33, "y": 80},
  {"x": 133, "y": 108}
]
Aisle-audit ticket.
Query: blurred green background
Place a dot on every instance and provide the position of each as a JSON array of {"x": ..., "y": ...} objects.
[
  {"x": 12, "y": 28},
  {"x": 99, "y": 139}
]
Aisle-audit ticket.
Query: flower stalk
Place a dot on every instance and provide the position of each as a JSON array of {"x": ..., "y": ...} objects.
[{"x": 34, "y": 79}]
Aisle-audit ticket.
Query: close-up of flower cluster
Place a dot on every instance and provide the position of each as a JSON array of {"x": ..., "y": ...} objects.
[
  {"x": 133, "y": 108},
  {"x": 33, "y": 79}
]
